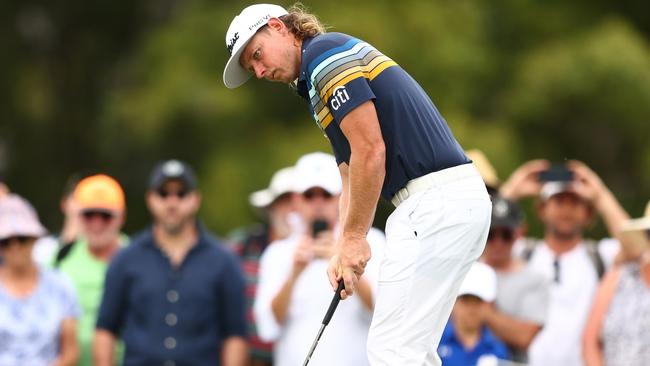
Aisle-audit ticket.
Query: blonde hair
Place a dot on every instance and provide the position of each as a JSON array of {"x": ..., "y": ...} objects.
[{"x": 301, "y": 23}]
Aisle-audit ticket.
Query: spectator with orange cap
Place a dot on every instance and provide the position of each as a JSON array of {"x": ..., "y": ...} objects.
[{"x": 101, "y": 207}]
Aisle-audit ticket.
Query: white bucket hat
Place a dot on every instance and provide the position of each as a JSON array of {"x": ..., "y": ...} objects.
[
  {"x": 641, "y": 223},
  {"x": 282, "y": 182},
  {"x": 242, "y": 28},
  {"x": 18, "y": 218}
]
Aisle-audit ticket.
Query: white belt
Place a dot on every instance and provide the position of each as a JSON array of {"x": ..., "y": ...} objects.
[{"x": 433, "y": 179}]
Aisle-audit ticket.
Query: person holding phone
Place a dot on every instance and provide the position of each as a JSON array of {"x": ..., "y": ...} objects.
[
  {"x": 293, "y": 286},
  {"x": 570, "y": 196}
]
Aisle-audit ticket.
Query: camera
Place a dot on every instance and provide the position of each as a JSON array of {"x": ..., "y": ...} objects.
[
  {"x": 317, "y": 226},
  {"x": 556, "y": 173}
]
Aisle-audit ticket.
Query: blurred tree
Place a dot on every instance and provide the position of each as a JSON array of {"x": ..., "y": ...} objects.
[{"x": 117, "y": 85}]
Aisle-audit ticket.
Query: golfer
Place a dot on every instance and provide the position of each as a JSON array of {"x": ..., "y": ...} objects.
[{"x": 389, "y": 140}]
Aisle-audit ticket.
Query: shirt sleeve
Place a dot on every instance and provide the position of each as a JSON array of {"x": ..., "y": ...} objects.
[
  {"x": 113, "y": 305},
  {"x": 272, "y": 275},
  {"x": 339, "y": 77},
  {"x": 232, "y": 291},
  {"x": 608, "y": 249}
]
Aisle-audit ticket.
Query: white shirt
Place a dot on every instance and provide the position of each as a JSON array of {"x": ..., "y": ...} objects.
[
  {"x": 570, "y": 299},
  {"x": 344, "y": 340}
]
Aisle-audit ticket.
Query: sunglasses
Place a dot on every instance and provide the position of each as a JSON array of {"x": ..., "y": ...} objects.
[
  {"x": 505, "y": 234},
  {"x": 20, "y": 239},
  {"x": 103, "y": 215},
  {"x": 164, "y": 194},
  {"x": 315, "y": 193}
]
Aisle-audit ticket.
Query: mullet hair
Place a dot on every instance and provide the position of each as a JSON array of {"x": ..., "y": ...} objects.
[{"x": 301, "y": 23}]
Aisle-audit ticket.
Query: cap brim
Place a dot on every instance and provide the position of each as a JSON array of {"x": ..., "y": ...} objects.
[
  {"x": 261, "y": 198},
  {"x": 234, "y": 75}
]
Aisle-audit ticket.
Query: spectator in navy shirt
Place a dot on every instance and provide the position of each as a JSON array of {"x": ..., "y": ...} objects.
[
  {"x": 466, "y": 340},
  {"x": 175, "y": 296}
]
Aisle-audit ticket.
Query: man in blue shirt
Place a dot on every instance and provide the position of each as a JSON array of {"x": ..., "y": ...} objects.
[
  {"x": 389, "y": 140},
  {"x": 175, "y": 296},
  {"x": 466, "y": 340}
]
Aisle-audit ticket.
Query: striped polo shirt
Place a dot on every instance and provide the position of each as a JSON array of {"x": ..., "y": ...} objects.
[{"x": 339, "y": 73}]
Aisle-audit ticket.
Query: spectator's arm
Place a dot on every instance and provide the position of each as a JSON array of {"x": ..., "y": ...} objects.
[
  {"x": 591, "y": 346},
  {"x": 235, "y": 352},
  {"x": 103, "y": 348},
  {"x": 69, "y": 346},
  {"x": 524, "y": 181},
  {"x": 282, "y": 298},
  {"x": 589, "y": 185},
  {"x": 515, "y": 332}
]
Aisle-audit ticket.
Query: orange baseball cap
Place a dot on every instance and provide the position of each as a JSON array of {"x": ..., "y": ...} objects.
[{"x": 99, "y": 192}]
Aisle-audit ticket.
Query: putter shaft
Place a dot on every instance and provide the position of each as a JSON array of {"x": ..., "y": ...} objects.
[{"x": 326, "y": 320}]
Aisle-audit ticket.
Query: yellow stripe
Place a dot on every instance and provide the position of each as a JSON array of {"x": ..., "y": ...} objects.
[
  {"x": 359, "y": 68},
  {"x": 323, "y": 112},
  {"x": 328, "y": 119},
  {"x": 355, "y": 73}
]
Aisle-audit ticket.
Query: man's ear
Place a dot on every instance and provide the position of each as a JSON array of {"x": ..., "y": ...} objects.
[{"x": 276, "y": 24}]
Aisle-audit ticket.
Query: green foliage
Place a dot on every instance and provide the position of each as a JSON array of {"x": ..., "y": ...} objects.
[{"x": 119, "y": 85}]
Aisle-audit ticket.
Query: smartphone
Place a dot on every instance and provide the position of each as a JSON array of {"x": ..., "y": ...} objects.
[
  {"x": 317, "y": 226},
  {"x": 556, "y": 173}
]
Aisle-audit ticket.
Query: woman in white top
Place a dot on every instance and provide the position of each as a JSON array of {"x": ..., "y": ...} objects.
[
  {"x": 618, "y": 328},
  {"x": 38, "y": 307}
]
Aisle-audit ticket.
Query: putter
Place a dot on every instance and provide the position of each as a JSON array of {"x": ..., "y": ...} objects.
[{"x": 326, "y": 320}]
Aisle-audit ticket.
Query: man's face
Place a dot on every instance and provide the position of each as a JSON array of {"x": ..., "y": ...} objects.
[
  {"x": 281, "y": 207},
  {"x": 17, "y": 250},
  {"x": 469, "y": 311},
  {"x": 498, "y": 250},
  {"x": 317, "y": 203},
  {"x": 100, "y": 227},
  {"x": 565, "y": 215},
  {"x": 173, "y": 206},
  {"x": 272, "y": 54}
]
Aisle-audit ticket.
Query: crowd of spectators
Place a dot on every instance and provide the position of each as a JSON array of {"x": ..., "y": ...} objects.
[{"x": 177, "y": 294}]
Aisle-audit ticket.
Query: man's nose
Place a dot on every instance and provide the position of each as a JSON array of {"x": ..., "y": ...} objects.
[{"x": 260, "y": 71}]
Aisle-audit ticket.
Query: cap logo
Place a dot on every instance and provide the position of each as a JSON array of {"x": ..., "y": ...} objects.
[
  {"x": 501, "y": 209},
  {"x": 173, "y": 168},
  {"x": 259, "y": 22},
  {"x": 231, "y": 43}
]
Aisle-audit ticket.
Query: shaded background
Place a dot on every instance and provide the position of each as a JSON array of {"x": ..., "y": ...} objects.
[{"x": 116, "y": 85}]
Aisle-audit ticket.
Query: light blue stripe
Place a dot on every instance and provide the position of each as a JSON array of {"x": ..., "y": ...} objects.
[{"x": 349, "y": 44}]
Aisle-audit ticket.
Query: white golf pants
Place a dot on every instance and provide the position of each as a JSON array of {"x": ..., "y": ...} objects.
[{"x": 433, "y": 237}]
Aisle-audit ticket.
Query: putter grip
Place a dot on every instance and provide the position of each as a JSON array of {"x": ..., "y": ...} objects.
[{"x": 334, "y": 303}]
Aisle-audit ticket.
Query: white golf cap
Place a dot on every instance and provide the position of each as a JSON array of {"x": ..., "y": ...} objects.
[
  {"x": 282, "y": 182},
  {"x": 242, "y": 28},
  {"x": 481, "y": 281},
  {"x": 318, "y": 170}
]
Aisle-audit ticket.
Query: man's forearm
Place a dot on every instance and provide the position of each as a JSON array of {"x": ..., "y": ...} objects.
[
  {"x": 366, "y": 176},
  {"x": 235, "y": 352},
  {"x": 103, "y": 348},
  {"x": 516, "y": 333},
  {"x": 364, "y": 290},
  {"x": 280, "y": 303}
]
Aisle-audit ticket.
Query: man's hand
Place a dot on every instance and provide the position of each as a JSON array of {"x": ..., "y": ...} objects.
[
  {"x": 303, "y": 255},
  {"x": 524, "y": 182},
  {"x": 323, "y": 245},
  {"x": 349, "y": 263},
  {"x": 587, "y": 184}
]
